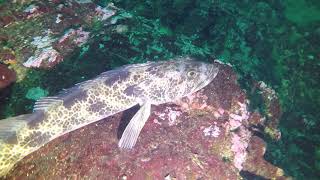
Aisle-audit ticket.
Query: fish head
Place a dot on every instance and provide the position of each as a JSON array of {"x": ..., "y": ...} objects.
[
  {"x": 175, "y": 79},
  {"x": 195, "y": 75}
]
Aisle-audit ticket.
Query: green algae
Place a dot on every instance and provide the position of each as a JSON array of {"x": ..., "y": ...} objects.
[
  {"x": 302, "y": 12},
  {"x": 36, "y": 93}
]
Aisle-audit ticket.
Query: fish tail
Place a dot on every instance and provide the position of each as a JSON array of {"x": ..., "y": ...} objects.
[{"x": 12, "y": 148}]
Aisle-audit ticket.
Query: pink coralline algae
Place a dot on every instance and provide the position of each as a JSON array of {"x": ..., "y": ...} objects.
[
  {"x": 169, "y": 114},
  {"x": 47, "y": 58},
  {"x": 75, "y": 36},
  {"x": 212, "y": 131},
  {"x": 236, "y": 119},
  {"x": 240, "y": 135},
  {"x": 104, "y": 13},
  {"x": 32, "y": 11},
  {"x": 240, "y": 142}
]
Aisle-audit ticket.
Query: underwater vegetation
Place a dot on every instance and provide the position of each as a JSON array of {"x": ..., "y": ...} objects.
[{"x": 276, "y": 42}]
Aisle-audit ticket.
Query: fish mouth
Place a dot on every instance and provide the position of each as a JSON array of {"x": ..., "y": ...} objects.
[
  {"x": 201, "y": 85},
  {"x": 213, "y": 72},
  {"x": 210, "y": 76}
]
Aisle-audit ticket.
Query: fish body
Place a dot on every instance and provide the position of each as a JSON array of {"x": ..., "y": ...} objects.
[{"x": 147, "y": 84}]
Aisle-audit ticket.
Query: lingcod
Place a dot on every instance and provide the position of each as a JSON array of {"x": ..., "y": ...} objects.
[{"x": 111, "y": 92}]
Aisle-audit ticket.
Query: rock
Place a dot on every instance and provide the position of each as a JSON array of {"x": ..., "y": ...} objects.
[
  {"x": 7, "y": 76},
  {"x": 208, "y": 135},
  {"x": 42, "y": 34}
]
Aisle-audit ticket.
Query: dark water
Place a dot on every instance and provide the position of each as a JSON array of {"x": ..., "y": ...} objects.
[{"x": 274, "y": 41}]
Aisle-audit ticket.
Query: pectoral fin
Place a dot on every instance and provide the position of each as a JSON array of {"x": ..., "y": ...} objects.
[{"x": 133, "y": 129}]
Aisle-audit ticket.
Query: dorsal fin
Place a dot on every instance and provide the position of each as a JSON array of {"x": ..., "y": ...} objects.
[
  {"x": 75, "y": 87},
  {"x": 45, "y": 102},
  {"x": 124, "y": 68}
]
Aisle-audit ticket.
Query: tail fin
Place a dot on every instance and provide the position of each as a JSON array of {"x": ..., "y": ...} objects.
[
  {"x": 9, "y": 126},
  {"x": 10, "y": 149}
]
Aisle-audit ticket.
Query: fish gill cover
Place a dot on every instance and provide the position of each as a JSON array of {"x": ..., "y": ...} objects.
[{"x": 272, "y": 41}]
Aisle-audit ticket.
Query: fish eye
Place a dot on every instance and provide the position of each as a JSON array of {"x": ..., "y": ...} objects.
[{"x": 191, "y": 73}]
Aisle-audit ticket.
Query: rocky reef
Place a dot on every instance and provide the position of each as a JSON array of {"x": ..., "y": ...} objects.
[
  {"x": 42, "y": 34},
  {"x": 36, "y": 36},
  {"x": 210, "y": 134},
  {"x": 7, "y": 76}
]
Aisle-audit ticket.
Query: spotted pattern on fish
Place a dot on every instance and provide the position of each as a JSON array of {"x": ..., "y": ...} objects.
[{"x": 107, "y": 94}]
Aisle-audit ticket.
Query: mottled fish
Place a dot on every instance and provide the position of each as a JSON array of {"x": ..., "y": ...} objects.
[{"x": 147, "y": 84}]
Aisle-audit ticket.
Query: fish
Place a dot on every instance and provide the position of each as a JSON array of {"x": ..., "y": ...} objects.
[{"x": 114, "y": 91}]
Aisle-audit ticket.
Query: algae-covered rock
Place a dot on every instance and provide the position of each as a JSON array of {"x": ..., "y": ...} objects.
[
  {"x": 38, "y": 34},
  {"x": 7, "y": 76}
]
